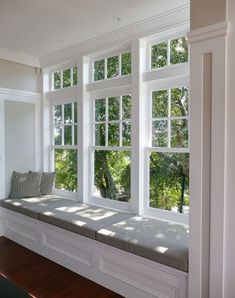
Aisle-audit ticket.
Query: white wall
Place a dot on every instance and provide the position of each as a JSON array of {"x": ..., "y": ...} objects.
[
  {"x": 19, "y": 76},
  {"x": 229, "y": 284},
  {"x": 19, "y": 139}
]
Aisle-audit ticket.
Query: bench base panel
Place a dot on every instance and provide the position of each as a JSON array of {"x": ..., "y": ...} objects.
[{"x": 120, "y": 271}]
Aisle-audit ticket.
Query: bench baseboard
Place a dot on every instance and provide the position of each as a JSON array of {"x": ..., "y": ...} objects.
[{"x": 120, "y": 271}]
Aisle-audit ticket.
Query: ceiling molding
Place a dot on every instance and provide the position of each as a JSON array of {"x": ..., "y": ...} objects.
[
  {"x": 19, "y": 57},
  {"x": 19, "y": 95},
  {"x": 161, "y": 22}
]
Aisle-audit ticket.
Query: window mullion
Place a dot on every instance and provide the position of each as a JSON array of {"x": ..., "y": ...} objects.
[
  {"x": 62, "y": 125},
  {"x": 169, "y": 120}
]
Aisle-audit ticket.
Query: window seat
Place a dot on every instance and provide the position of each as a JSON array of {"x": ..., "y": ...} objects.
[{"x": 159, "y": 241}]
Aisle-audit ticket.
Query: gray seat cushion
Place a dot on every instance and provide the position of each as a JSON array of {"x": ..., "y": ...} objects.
[
  {"x": 160, "y": 241},
  {"x": 31, "y": 206},
  {"x": 81, "y": 218}
]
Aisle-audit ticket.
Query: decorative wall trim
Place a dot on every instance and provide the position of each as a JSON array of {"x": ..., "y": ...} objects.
[
  {"x": 209, "y": 32},
  {"x": 161, "y": 22},
  {"x": 19, "y": 57},
  {"x": 19, "y": 95}
]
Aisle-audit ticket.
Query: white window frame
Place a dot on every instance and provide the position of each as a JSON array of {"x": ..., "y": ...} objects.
[{"x": 96, "y": 200}]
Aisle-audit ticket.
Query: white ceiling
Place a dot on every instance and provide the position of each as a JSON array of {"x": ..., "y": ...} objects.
[{"x": 40, "y": 27}]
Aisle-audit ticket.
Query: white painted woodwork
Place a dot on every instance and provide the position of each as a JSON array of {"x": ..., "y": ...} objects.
[{"x": 120, "y": 271}]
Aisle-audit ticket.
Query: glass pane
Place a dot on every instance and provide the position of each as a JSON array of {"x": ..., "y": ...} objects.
[
  {"x": 159, "y": 133},
  {"x": 179, "y": 133},
  {"x": 113, "y": 134},
  {"x": 75, "y": 135},
  {"x": 179, "y": 102},
  {"x": 68, "y": 135},
  {"x": 160, "y": 104},
  {"x": 100, "y": 109},
  {"x": 75, "y": 75},
  {"x": 67, "y": 77},
  {"x": 126, "y": 63},
  {"x": 179, "y": 50},
  {"x": 169, "y": 181},
  {"x": 68, "y": 113},
  {"x": 75, "y": 112},
  {"x": 58, "y": 135},
  {"x": 126, "y": 107},
  {"x": 112, "y": 67},
  {"x": 113, "y": 175},
  {"x": 100, "y": 134},
  {"x": 57, "y": 114},
  {"x": 57, "y": 80},
  {"x": 113, "y": 106},
  {"x": 126, "y": 134},
  {"x": 99, "y": 72},
  {"x": 159, "y": 55},
  {"x": 66, "y": 169}
]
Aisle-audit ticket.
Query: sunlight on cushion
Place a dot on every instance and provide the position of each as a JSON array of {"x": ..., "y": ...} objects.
[
  {"x": 129, "y": 228},
  {"x": 16, "y": 204},
  {"x": 159, "y": 235},
  {"x": 79, "y": 223},
  {"x": 70, "y": 209},
  {"x": 161, "y": 249},
  {"x": 49, "y": 213},
  {"x": 120, "y": 224},
  {"x": 107, "y": 232},
  {"x": 32, "y": 200},
  {"x": 92, "y": 215}
]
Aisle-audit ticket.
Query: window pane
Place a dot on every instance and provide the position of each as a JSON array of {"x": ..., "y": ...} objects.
[
  {"x": 57, "y": 80},
  {"x": 169, "y": 181},
  {"x": 159, "y": 55},
  {"x": 160, "y": 104},
  {"x": 67, "y": 135},
  {"x": 159, "y": 133},
  {"x": 66, "y": 169},
  {"x": 126, "y": 134},
  {"x": 75, "y": 135},
  {"x": 57, "y": 114},
  {"x": 112, "y": 67},
  {"x": 68, "y": 113},
  {"x": 75, "y": 75},
  {"x": 100, "y": 134},
  {"x": 113, "y": 134},
  {"x": 75, "y": 112},
  {"x": 179, "y": 133},
  {"x": 113, "y": 106},
  {"x": 179, "y": 50},
  {"x": 179, "y": 102},
  {"x": 126, "y": 107},
  {"x": 126, "y": 64},
  {"x": 58, "y": 135},
  {"x": 100, "y": 109},
  {"x": 99, "y": 72},
  {"x": 113, "y": 175},
  {"x": 67, "y": 77}
]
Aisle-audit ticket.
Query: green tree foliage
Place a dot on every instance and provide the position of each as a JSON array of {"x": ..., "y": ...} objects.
[{"x": 159, "y": 55}]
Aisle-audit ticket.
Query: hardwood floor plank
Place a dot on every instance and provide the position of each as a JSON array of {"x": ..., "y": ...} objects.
[{"x": 43, "y": 278}]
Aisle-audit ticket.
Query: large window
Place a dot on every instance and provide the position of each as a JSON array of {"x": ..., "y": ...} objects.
[
  {"x": 169, "y": 155},
  {"x": 65, "y": 146},
  {"x": 112, "y": 141}
]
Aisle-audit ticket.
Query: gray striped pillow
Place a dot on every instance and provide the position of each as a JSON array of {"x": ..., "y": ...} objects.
[
  {"x": 47, "y": 183},
  {"x": 25, "y": 185}
]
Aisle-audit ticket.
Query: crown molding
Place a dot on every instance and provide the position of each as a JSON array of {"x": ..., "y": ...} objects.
[
  {"x": 19, "y": 95},
  {"x": 19, "y": 57},
  {"x": 208, "y": 32},
  {"x": 161, "y": 22}
]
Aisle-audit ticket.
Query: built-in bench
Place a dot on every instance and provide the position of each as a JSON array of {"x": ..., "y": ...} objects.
[{"x": 159, "y": 241}]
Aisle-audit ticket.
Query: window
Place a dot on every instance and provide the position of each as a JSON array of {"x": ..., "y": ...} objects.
[
  {"x": 169, "y": 52},
  {"x": 112, "y": 67},
  {"x": 64, "y": 78},
  {"x": 112, "y": 141},
  {"x": 65, "y": 146},
  {"x": 169, "y": 157}
]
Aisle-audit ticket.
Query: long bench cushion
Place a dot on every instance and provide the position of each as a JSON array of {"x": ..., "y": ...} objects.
[
  {"x": 160, "y": 241},
  {"x": 80, "y": 218},
  {"x": 32, "y": 206}
]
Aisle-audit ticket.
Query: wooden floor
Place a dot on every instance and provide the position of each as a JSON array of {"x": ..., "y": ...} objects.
[{"x": 43, "y": 278}]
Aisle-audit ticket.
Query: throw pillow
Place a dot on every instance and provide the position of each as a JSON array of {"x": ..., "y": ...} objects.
[
  {"x": 47, "y": 183},
  {"x": 25, "y": 185}
]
